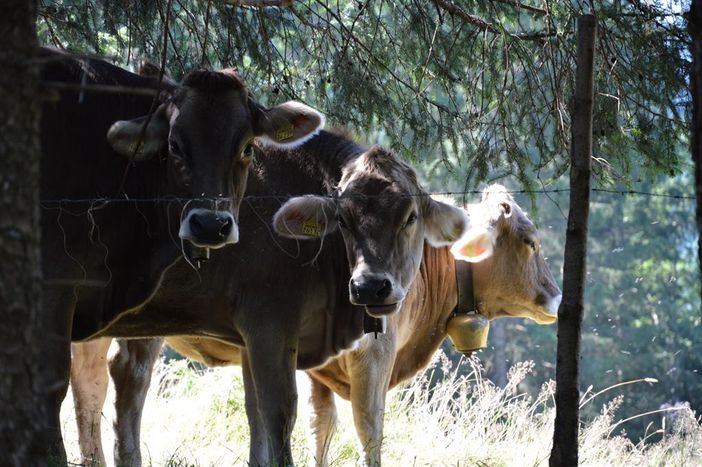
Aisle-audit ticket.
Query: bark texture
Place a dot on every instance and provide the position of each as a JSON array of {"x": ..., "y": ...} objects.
[
  {"x": 22, "y": 429},
  {"x": 695, "y": 27},
  {"x": 570, "y": 315}
]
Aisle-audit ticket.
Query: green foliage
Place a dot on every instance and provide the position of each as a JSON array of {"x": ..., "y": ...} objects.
[{"x": 485, "y": 87}]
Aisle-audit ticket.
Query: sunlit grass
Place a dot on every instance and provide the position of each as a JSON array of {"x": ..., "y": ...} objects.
[{"x": 197, "y": 418}]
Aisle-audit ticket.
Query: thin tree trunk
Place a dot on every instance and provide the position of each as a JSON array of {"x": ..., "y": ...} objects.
[
  {"x": 695, "y": 28},
  {"x": 22, "y": 423},
  {"x": 570, "y": 315},
  {"x": 498, "y": 336}
]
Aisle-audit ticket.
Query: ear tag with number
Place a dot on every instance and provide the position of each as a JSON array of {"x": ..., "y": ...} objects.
[
  {"x": 285, "y": 133},
  {"x": 311, "y": 227},
  {"x": 137, "y": 147}
]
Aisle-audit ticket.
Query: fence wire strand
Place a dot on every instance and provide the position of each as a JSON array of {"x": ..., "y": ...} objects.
[{"x": 281, "y": 197}]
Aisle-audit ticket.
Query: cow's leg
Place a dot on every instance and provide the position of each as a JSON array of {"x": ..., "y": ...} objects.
[
  {"x": 258, "y": 445},
  {"x": 370, "y": 369},
  {"x": 323, "y": 420},
  {"x": 55, "y": 363},
  {"x": 89, "y": 385},
  {"x": 272, "y": 363},
  {"x": 131, "y": 367}
]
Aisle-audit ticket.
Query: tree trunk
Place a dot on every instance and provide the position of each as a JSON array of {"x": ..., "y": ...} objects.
[
  {"x": 695, "y": 28},
  {"x": 498, "y": 337},
  {"x": 570, "y": 314},
  {"x": 22, "y": 421}
]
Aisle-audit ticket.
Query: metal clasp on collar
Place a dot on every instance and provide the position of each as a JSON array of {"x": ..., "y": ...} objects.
[{"x": 374, "y": 325}]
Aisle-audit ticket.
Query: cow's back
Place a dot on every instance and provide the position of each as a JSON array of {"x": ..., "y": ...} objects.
[{"x": 94, "y": 240}]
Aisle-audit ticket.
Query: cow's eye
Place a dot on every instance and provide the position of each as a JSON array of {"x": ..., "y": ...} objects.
[
  {"x": 248, "y": 153},
  {"x": 411, "y": 219},
  {"x": 341, "y": 222},
  {"x": 175, "y": 148},
  {"x": 531, "y": 243}
]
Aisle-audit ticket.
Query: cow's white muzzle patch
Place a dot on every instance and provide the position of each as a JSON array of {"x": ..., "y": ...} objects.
[{"x": 553, "y": 304}]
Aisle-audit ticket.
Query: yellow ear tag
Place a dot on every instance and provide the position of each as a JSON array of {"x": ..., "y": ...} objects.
[
  {"x": 311, "y": 228},
  {"x": 136, "y": 147},
  {"x": 284, "y": 133}
]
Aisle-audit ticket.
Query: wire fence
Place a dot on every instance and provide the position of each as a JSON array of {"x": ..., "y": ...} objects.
[{"x": 281, "y": 197}]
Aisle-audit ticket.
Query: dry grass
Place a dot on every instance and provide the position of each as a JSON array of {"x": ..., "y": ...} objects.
[{"x": 197, "y": 418}]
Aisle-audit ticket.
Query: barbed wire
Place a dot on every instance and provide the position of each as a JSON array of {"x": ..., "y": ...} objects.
[{"x": 282, "y": 197}]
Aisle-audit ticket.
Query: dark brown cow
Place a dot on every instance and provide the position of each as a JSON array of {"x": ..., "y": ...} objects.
[
  {"x": 124, "y": 189},
  {"x": 288, "y": 303}
]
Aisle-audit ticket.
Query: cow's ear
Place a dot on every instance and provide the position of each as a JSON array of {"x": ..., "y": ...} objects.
[
  {"x": 287, "y": 125},
  {"x": 444, "y": 223},
  {"x": 306, "y": 217},
  {"x": 125, "y": 136},
  {"x": 475, "y": 246}
]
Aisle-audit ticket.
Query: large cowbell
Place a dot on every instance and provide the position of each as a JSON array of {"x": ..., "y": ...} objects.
[
  {"x": 467, "y": 329},
  {"x": 468, "y": 332}
]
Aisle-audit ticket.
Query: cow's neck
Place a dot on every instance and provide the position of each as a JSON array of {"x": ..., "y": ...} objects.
[
  {"x": 433, "y": 295},
  {"x": 441, "y": 271},
  {"x": 330, "y": 152},
  {"x": 421, "y": 323},
  {"x": 437, "y": 292}
]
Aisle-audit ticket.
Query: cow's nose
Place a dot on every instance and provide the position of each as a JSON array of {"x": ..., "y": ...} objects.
[
  {"x": 370, "y": 291},
  {"x": 209, "y": 228},
  {"x": 208, "y": 224},
  {"x": 226, "y": 228}
]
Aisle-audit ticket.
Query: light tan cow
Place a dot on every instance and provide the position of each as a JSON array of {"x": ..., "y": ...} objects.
[{"x": 510, "y": 278}]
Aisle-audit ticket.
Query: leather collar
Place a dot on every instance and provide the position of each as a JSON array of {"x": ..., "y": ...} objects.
[
  {"x": 464, "y": 285},
  {"x": 373, "y": 324}
]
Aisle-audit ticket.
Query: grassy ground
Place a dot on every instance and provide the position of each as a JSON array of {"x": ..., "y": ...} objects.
[{"x": 197, "y": 418}]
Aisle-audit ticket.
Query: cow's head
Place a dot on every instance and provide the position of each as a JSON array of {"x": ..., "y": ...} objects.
[
  {"x": 205, "y": 131},
  {"x": 510, "y": 275},
  {"x": 384, "y": 217}
]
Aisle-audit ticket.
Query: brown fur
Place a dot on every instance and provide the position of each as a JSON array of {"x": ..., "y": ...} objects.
[
  {"x": 214, "y": 81},
  {"x": 384, "y": 164}
]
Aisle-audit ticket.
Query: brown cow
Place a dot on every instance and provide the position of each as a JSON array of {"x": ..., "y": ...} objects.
[
  {"x": 512, "y": 279},
  {"x": 287, "y": 303}
]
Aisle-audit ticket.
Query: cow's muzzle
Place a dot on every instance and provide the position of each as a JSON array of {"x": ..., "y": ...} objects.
[
  {"x": 376, "y": 293},
  {"x": 211, "y": 229}
]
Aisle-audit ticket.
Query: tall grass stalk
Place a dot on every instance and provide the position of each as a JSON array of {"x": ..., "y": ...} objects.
[{"x": 197, "y": 418}]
